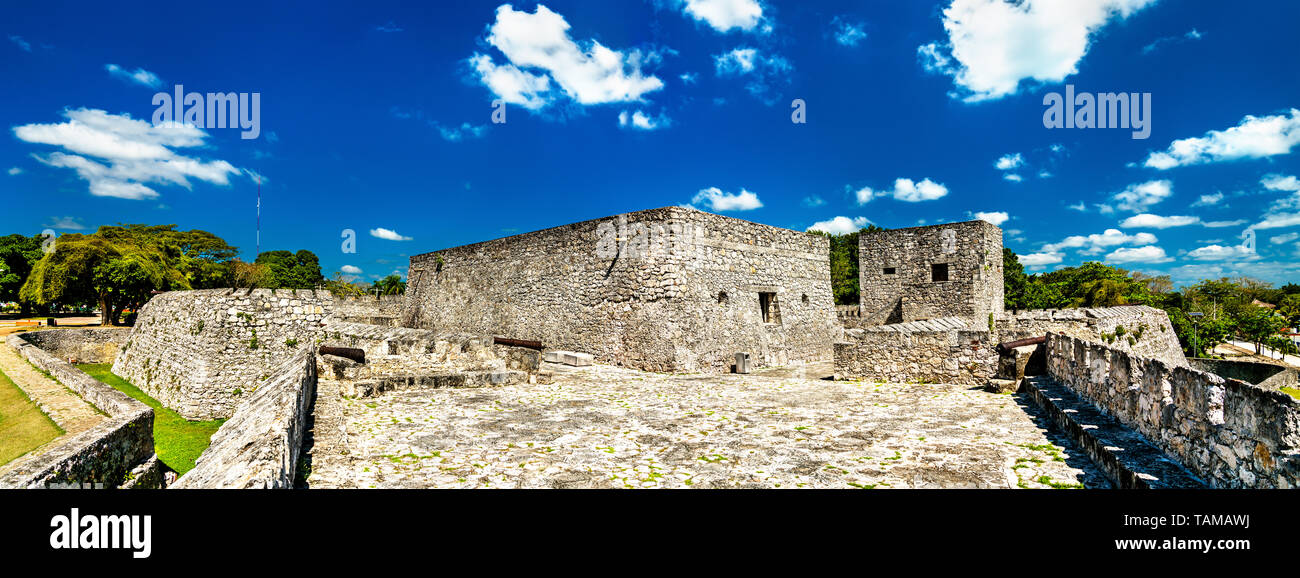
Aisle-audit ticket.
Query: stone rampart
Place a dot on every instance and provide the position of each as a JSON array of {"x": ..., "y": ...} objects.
[
  {"x": 91, "y": 345},
  {"x": 200, "y": 352},
  {"x": 259, "y": 446},
  {"x": 370, "y": 309},
  {"x": 1265, "y": 375},
  {"x": 938, "y": 351},
  {"x": 104, "y": 454},
  {"x": 1230, "y": 433},
  {"x": 1138, "y": 329}
]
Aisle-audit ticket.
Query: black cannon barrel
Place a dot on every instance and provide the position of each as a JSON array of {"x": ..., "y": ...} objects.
[
  {"x": 1021, "y": 343},
  {"x": 518, "y": 343},
  {"x": 357, "y": 355}
]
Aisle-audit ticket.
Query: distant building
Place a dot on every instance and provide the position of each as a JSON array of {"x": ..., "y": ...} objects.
[{"x": 670, "y": 289}]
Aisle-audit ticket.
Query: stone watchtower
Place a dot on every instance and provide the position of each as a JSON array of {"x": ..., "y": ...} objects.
[{"x": 949, "y": 270}]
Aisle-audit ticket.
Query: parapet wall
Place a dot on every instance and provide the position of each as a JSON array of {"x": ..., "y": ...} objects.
[
  {"x": 1265, "y": 375},
  {"x": 1230, "y": 433},
  {"x": 259, "y": 446},
  {"x": 370, "y": 309},
  {"x": 1138, "y": 329},
  {"x": 92, "y": 345},
  {"x": 930, "y": 355},
  {"x": 104, "y": 454},
  {"x": 201, "y": 352}
]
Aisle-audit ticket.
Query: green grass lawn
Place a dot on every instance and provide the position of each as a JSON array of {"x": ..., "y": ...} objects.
[
  {"x": 177, "y": 440},
  {"x": 23, "y": 426}
]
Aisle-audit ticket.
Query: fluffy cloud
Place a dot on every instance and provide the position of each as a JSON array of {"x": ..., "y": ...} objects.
[
  {"x": 906, "y": 190},
  {"x": 840, "y": 225},
  {"x": 716, "y": 200},
  {"x": 1141, "y": 196},
  {"x": 1208, "y": 200},
  {"x": 1221, "y": 253},
  {"x": 134, "y": 153},
  {"x": 847, "y": 32},
  {"x": 725, "y": 15},
  {"x": 350, "y": 270},
  {"x": 1286, "y": 184},
  {"x": 1149, "y": 254},
  {"x": 993, "y": 45},
  {"x": 1096, "y": 243},
  {"x": 388, "y": 234},
  {"x": 15, "y": 171},
  {"x": 1040, "y": 260},
  {"x": 641, "y": 121},
  {"x": 761, "y": 71},
  {"x": 996, "y": 218},
  {"x": 540, "y": 51},
  {"x": 1278, "y": 221},
  {"x": 1252, "y": 138},
  {"x": 1149, "y": 221},
  {"x": 458, "y": 133},
  {"x": 138, "y": 76},
  {"x": 1010, "y": 162},
  {"x": 1012, "y": 177},
  {"x": 1284, "y": 239},
  {"x": 65, "y": 223}
]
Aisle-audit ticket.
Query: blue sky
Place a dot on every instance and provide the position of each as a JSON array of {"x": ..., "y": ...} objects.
[{"x": 377, "y": 117}]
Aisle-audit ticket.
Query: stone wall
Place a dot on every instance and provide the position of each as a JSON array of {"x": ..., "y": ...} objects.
[
  {"x": 933, "y": 354},
  {"x": 671, "y": 289},
  {"x": 1265, "y": 375},
  {"x": 370, "y": 309},
  {"x": 1230, "y": 433},
  {"x": 1139, "y": 329},
  {"x": 896, "y": 272},
  {"x": 104, "y": 454},
  {"x": 259, "y": 446},
  {"x": 200, "y": 352},
  {"x": 94, "y": 345}
]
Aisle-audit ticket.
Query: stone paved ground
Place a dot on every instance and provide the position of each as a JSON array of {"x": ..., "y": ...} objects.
[
  {"x": 607, "y": 427},
  {"x": 63, "y": 406}
]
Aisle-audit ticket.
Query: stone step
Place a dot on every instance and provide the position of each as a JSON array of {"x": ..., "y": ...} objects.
[
  {"x": 1127, "y": 458},
  {"x": 1003, "y": 385},
  {"x": 569, "y": 358},
  {"x": 378, "y": 385}
]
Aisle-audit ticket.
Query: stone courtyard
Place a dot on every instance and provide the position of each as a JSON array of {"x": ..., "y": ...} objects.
[{"x": 610, "y": 427}]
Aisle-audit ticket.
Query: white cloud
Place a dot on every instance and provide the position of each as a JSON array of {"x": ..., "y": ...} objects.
[
  {"x": 66, "y": 223},
  {"x": 1010, "y": 162},
  {"x": 996, "y": 218},
  {"x": 1209, "y": 200},
  {"x": 1252, "y": 138},
  {"x": 1012, "y": 177},
  {"x": 1278, "y": 221},
  {"x": 388, "y": 234},
  {"x": 1148, "y": 254},
  {"x": 906, "y": 190},
  {"x": 641, "y": 121},
  {"x": 1284, "y": 238},
  {"x": 840, "y": 225},
  {"x": 1140, "y": 196},
  {"x": 589, "y": 73},
  {"x": 1221, "y": 253},
  {"x": 1192, "y": 34},
  {"x": 20, "y": 43},
  {"x": 1080, "y": 206},
  {"x": 724, "y": 15},
  {"x": 813, "y": 201},
  {"x": 1149, "y": 221},
  {"x": 846, "y": 32},
  {"x": 138, "y": 76},
  {"x": 1096, "y": 243},
  {"x": 350, "y": 270},
  {"x": 15, "y": 171},
  {"x": 1040, "y": 260},
  {"x": 689, "y": 77},
  {"x": 993, "y": 45},
  {"x": 457, "y": 133},
  {"x": 717, "y": 200},
  {"x": 136, "y": 153},
  {"x": 761, "y": 71},
  {"x": 1280, "y": 183}
]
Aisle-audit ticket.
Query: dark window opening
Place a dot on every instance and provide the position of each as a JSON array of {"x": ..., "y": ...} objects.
[
  {"x": 939, "y": 272},
  {"x": 767, "y": 302},
  {"x": 890, "y": 270}
]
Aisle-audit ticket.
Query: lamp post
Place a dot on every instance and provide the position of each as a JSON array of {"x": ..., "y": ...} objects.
[{"x": 1196, "y": 331}]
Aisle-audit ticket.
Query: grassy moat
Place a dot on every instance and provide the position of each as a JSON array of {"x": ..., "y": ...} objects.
[
  {"x": 177, "y": 441},
  {"x": 23, "y": 426}
]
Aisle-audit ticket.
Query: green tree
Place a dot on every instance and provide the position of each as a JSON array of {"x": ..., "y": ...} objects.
[
  {"x": 844, "y": 264},
  {"x": 391, "y": 285},
  {"x": 287, "y": 270},
  {"x": 1014, "y": 280},
  {"x": 18, "y": 254}
]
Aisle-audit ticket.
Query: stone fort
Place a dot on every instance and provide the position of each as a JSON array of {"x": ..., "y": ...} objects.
[{"x": 672, "y": 295}]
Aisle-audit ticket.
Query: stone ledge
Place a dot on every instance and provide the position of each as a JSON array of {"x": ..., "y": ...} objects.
[{"x": 1124, "y": 455}]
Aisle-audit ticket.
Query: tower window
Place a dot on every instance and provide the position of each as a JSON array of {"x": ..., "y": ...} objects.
[
  {"x": 890, "y": 270},
  {"x": 767, "y": 302},
  {"x": 939, "y": 272}
]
